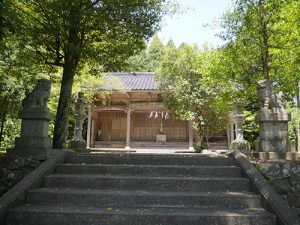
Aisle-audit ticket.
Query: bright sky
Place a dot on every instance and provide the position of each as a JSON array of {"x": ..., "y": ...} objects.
[{"x": 189, "y": 26}]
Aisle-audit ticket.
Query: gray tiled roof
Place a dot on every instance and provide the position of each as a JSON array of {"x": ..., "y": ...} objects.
[{"x": 130, "y": 81}]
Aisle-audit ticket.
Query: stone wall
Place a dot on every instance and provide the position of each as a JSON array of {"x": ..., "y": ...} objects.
[
  {"x": 284, "y": 176},
  {"x": 12, "y": 170}
]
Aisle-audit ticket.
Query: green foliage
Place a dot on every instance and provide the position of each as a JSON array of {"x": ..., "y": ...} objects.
[
  {"x": 251, "y": 130},
  {"x": 18, "y": 72},
  {"x": 260, "y": 168},
  {"x": 194, "y": 82},
  {"x": 71, "y": 33},
  {"x": 11, "y": 131},
  {"x": 103, "y": 31},
  {"x": 148, "y": 60},
  {"x": 7, "y": 16},
  {"x": 262, "y": 41},
  {"x": 199, "y": 147},
  {"x": 196, "y": 87},
  {"x": 295, "y": 121}
]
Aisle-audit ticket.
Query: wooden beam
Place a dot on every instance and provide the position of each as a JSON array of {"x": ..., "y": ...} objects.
[{"x": 108, "y": 108}]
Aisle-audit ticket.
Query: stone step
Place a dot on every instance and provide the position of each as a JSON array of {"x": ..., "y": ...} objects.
[
  {"x": 90, "y": 181},
  {"x": 74, "y": 215},
  {"x": 151, "y": 159},
  {"x": 149, "y": 170},
  {"x": 137, "y": 198}
]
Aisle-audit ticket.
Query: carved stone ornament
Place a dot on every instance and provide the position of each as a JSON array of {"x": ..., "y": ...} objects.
[
  {"x": 34, "y": 140},
  {"x": 38, "y": 97},
  {"x": 273, "y": 120},
  {"x": 267, "y": 97}
]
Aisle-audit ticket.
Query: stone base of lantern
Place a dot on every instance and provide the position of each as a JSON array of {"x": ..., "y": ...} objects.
[{"x": 241, "y": 145}]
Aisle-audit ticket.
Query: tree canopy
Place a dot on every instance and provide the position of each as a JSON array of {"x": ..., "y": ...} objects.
[
  {"x": 68, "y": 33},
  {"x": 263, "y": 42}
]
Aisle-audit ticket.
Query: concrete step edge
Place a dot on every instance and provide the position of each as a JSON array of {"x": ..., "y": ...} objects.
[
  {"x": 247, "y": 194},
  {"x": 145, "y": 165},
  {"x": 215, "y": 212},
  {"x": 97, "y": 176}
]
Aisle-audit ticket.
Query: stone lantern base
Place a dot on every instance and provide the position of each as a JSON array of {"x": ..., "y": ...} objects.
[
  {"x": 273, "y": 130},
  {"x": 242, "y": 146},
  {"x": 78, "y": 145},
  {"x": 33, "y": 141}
]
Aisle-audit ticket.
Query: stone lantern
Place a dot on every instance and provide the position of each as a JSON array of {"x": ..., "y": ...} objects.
[
  {"x": 78, "y": 143},
  {"x": 239, "y": 143}
]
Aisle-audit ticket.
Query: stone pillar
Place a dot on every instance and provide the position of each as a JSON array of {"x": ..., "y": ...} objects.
[
  {"x": 78, "y": 143},
  {"x": 35, "y": 115},
  {"x": 273, "y": 122},
  {"x": 230, "y": 132},
  {"x": 128, "y": 129},
  {"x": 273, "y": 131},
  {"x": 88, "y": 136},
  {"x": 191, "y": 135},
  {"x": 239, "y": 143}
]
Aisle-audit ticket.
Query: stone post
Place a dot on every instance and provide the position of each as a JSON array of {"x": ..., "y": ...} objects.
[
  {"x": 78, "y": 143},
  {"x": 230, "y": 131},
  {"x": 35, "y": 115},
  {"x": 239, "y": 143},
  {"x": 273, "y": 122}
]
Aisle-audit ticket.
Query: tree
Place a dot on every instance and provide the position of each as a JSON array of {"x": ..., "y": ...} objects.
[
  {"x": 148, "y": 60},
  {"x": 261, "y": 42},
  {"x": 196, "y": 88},
  {"x": 17, "y": 74},
  {"x": 67, "y": 33},
  {"x": 7, "y": 16}
]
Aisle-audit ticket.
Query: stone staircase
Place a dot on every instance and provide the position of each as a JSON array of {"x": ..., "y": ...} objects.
[{"x": 141, "y": 189}]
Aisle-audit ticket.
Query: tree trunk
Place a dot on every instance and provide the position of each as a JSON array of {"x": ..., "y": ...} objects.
[
  {"x": 71, "y": 58},
  {"x": 265, "y": 57},
  {"x": 3, "y": 119},
  {"x": 61, "y": 121}
]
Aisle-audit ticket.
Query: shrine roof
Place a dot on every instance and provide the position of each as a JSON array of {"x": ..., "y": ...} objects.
[{"x": 130, "y": 81}]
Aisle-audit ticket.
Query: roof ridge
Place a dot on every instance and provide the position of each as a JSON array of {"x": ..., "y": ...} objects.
[
  {"x": 130, "y": 73},
  {"x": 132, "y": 80}
]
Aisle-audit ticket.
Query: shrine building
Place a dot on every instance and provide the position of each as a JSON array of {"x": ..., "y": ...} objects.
[{"x": 132, "y": 114}]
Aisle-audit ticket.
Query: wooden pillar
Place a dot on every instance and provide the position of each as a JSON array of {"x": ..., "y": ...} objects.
[
  {"x": 92, "y": 132},
  {"x": 230, "y": 133},
  {"x": 88, "y": 136},
  {"x": 128, "y": 128},
  {"x": 191, "y": 144}
]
